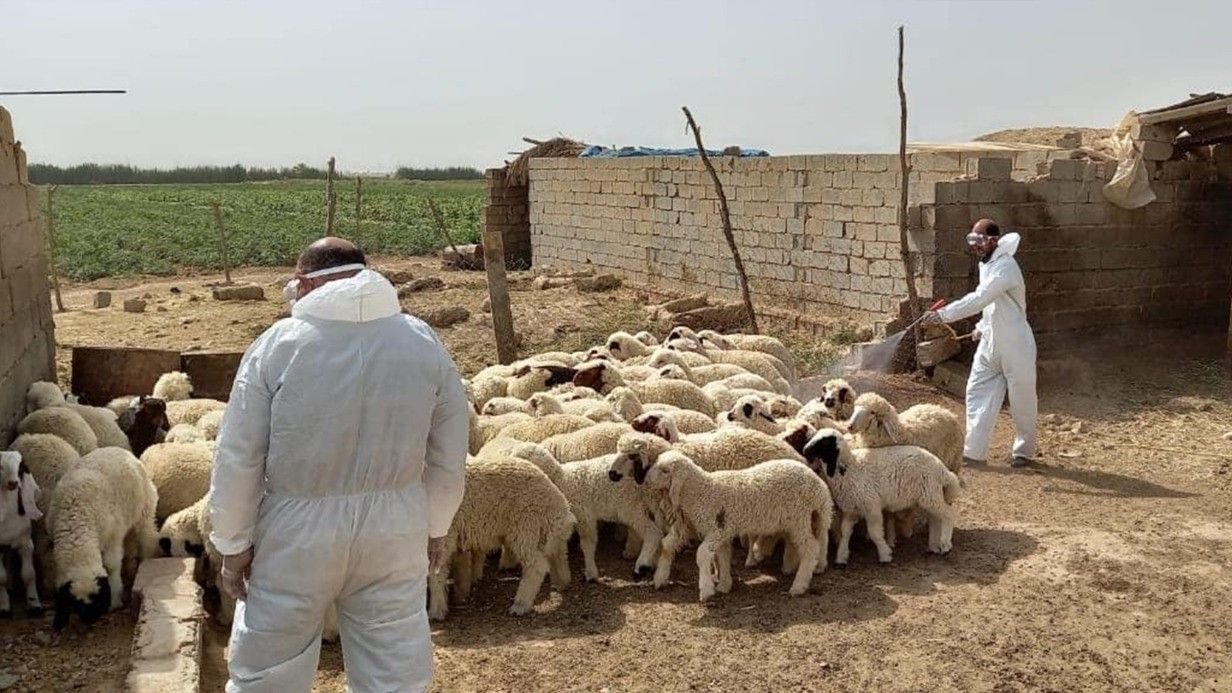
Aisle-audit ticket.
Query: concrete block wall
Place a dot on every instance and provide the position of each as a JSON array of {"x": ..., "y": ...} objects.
[
  {"x": 1091, "y": 266},
  {"x": 506, "y": 211},
  {"x": 816, "y": 233},
  {"x": 27, "y": 334}
]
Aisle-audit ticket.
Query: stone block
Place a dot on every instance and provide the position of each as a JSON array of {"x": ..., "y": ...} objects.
[
  {"x": 102, "y": 299},
  {"x": 601, "y": 282},
  {"x": 167, "y": 642},
  {"x": 134, "y": 305},
  {"x": 1066, "y": 169},
  {"x": 1155, "y": 151},
  {"x": 238, "y": 292},
  {"x": 992, "y": 168}
]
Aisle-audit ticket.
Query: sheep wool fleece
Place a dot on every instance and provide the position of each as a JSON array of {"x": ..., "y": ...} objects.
[
  {"x": 1005, "y": 357},
  {"x": 342, "y": 450}
]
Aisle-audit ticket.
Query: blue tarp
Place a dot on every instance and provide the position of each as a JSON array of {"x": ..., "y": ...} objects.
[{"x": 609, "y": 153}]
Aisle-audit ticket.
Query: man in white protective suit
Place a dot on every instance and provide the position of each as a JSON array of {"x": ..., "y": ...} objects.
[
  {"x": 1005, "y": 357},
  {"x": 339, "y": 467}
]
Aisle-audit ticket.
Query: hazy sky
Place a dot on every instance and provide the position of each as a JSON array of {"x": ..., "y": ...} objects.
[{"x": 453, "y": 82}]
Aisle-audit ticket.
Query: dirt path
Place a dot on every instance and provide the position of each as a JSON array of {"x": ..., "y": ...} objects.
[{"x": 1107, "y": 567}]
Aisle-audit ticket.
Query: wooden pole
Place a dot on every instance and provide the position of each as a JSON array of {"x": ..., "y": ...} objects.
[
  {"x": 905, "y": 171},
  {"x": 222, "y": 241},
  {"x": 725, "y": 217},
  {"x": 331, "y": 200},
  {"x": 51, "y": 249},
  {"x": 498, "y": 293},
  {"x": 439, "y": 220},
  {"x": 359, "y": 205}
]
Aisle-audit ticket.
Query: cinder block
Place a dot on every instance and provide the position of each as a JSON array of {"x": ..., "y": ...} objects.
[
  {"x": 990, "y": 168},
  {"x": 1066, "y": 169},
  {"x": 1155, "y": 151}
]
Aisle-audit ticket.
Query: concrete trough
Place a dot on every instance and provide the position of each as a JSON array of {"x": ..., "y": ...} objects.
[{"x": 167, "y": 644}]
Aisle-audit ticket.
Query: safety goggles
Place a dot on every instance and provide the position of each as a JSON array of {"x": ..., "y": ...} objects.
[
  {"x": 974, "y": 239},
  {"x": 292, "y": 287}
]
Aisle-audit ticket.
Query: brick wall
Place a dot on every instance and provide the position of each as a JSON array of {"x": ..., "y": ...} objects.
[
  {"x": 27, "y": 339},
  {"x": 506, "y": 211},
  {"x": 819, "y": 234}
]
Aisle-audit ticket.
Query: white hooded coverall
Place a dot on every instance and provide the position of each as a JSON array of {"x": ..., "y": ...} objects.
[
  {"x": 1005, "y": 357},
  {"x": 341, "y": 451}
]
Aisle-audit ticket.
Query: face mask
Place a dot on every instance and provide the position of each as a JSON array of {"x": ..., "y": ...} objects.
[{"x": 291, "y": 289}]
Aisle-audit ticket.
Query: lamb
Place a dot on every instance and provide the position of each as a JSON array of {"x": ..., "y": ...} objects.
[
  {"x": 586, "y": 443},
  {"x": 103, "y": 511},
  {"x": 190, "y": 411},
  {"x": 120, "y": 405},
  {"x": 146, "y": 423},
  {"x": 210, "y": 423},
  {"x": 752, "y": 342},
  {"x": 869, "y": 482},
  {"x": 773, "y": 497},
  {"x": 184, "y": 433},
  {"x": 558, "y": 357},
  {"x": 875, "y": 423},
  {"x": 505, "y": 405},
  {"x": 751, "y": 412},
  {"x": 544, "y": 403},
  {"x": 62, "y": 422},
  {"x": 603, "y": 377},
  {"x": 623, "y": 346},
  {"x": 180, "y": 472},
  {"x": 838, "y": 398},
  {"x": 629, "y": 407},
  {"x": 757, "y": 362},
  {"x": 48, "y": 458},
  {"x": 507, "y": 503},
  {"x": 173, "y": 386},
  {"x": 593, "y": 498},
  {"x": 539, "y": 430},
  {"x": 484, "y": 428},
  {"x": 732, "y": 448},
  {"x": 531, "y": 378},
  {"x": 646, "y": 338},
  {"x": 180, "y": 535},
  {"x": 212, "y": 564},
  {"x": 728, "y": 373},
  {"x": 488, "y": 385},
  {"x": 102, "y": 421},
  {"x": 18, "y": 491}
]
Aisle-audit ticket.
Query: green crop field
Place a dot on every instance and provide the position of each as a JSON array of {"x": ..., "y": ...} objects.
[{"x": 116, "y": 230}]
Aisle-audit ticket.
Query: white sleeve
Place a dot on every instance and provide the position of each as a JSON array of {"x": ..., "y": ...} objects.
[
  {"x": 995, "y": 284},
  {"x": 238, "y": 479},
  {"x": 444, "y": 476}
]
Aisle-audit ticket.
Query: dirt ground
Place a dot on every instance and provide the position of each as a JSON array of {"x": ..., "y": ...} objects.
[
  {"x": 1107, "y": 566},
  {"x": 95, "y": 660}
]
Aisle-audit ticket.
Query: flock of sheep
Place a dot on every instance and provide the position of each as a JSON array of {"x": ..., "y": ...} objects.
[{"x": 693, "y": 441}]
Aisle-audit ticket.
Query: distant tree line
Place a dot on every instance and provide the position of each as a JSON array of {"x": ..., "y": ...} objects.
[
  {"x": 450, "y": 173},
  {"x": 103, "y": 174}
]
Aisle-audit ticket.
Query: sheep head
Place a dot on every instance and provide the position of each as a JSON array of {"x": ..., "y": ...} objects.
[
  {"x": 682, "y": 332},
  {"x": 599, "y": 376},
  {"x": 838, "y": 397},
  {"x": 749, "y": 409},
  {"x": 15, "y": 478},
  {"x": 663, "y": 357},
  {"x": 827, "y": 453},
  {"x": 646, "y": 338},
  {"x": 624, "y": 402},
  {"x": 661, "y": 474},
  {"x": 656, "y": 423},
  {"x": 624, "y": 346},
  {"x": 672, "y": 371},
  {"x": 542, "y": 404},
  {"x": 715, "y": 339},
  {"x": 636, "y": 453},
  {"x": 41, "y": 395},
  {"x": 871, "y": 410},
  {"x": 88, "y": 595},
  {"x": 797, "y": 434}
]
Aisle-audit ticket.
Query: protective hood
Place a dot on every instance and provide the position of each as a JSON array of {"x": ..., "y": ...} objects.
[
  {"x": 365, "y": 297},
  {"x": 1007, "y": 246}
]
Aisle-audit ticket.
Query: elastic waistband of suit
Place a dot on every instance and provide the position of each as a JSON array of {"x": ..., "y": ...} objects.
[{"x": 275, "y": 495}]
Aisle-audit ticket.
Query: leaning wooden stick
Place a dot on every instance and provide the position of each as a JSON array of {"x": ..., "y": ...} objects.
[
  {"x": 331, "y": 200},
  {"x": 359, "y": 205},
  {"x": 725, "y": 217},
  {"x": 439, "y": 220},
  {"x": 913, "y": 298},
  {"x": 51, "y": 249},
  {"x": 222, "y": 241}
]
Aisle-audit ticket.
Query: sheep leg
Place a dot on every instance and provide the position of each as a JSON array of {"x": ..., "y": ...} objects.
[
  {"x": 588, "y": 537},
  {"x": 791, "y": 558},
  {"x": 558, "y": 565},
  {"x": 43, "y": 560},
  {"x": 724, "y": 560},
  {"x": 705, "y": 564},
  {"x": 667, "y": 553},
  {"x": 438, "y": 593},
  {"x": 26, "y": 550},
  {"x": 463, "y": 577},
  {"x": 807, "y": 546},
  {"x": 479, "y": 561},
  {"x": 940, "y": 532},
  {"x": 6, "y": 610},
  {"x": 888, "y": 527},
  {"x": 905, "y": 522},
  {"x": 534, "y": 569},
  {"x": 876, "y": 533},
  {"x": 113, "y": 561},
  {"x": 823, "y": 551},
  {"x": 847, "y": 524},
  {"x": 645, "y": 527},
  {"x": 633, "y": 545},
  {"x": 507, "y": 561}
]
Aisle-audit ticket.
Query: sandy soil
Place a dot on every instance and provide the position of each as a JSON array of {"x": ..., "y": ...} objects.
[
  {"x": 33, "y": 659},
  {"x": 1108, "y": 566}
]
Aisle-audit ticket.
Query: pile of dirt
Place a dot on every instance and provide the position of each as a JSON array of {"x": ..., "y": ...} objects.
[{"x": 1052, "y": 136}]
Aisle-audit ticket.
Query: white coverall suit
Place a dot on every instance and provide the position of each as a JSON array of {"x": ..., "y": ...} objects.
[
  {"x": 1005, "y": 357},
  {"x": 342, "y": 450}
]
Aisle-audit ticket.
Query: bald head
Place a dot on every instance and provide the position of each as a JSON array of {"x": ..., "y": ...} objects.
[
  {"x": 986, "y": 227},
  {"x": 327, "y": 252},
  {"x": 983, "y": 238}
]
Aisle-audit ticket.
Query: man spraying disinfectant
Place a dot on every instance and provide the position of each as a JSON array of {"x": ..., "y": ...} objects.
[{"x": 1005, "y": 357}]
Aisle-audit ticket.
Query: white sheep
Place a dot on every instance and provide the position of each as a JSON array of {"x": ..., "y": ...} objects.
[
  {"x": 487, "y": 385},
  {"x": 586, "y": 443},
  {"x": 184, "y": 433},
  {"x": 730, "y": 374},
  {"x": 537, "y": 377},
  {"x": 62, "y": 422},
  {"x": 838, "y": 399},
  {"x": 875, "y": 423},
  {"x": 49, "y": 458},
  {"x": 180, "y": 535},
  {"x": 545, "y": 403},
  {"x": 727, "y": 448},
  {"x": 752, "y": 342},
  {"x": 773, "y": 497},
  {"x": 869, "y": 482},
  {"x": 173, "y": 386},
  {"x": 102, "y": 421},
  {"x": 505, "y": 405},
  {"x": 623, "y": 346},
  {"x": 190, "y": 411},
  {"x": 542, "y": 428},
  {"x": 604, "y": 377},
  {"x": 41, "y": 395},
  {"x": 102, "y": 512},
  {"x": 507, "y": 503},
  {"x": 484, "y": 428},
  {"x": 180, "y": 472},
  {"x": 629, "y": 407},
  {"x": 593, "y": 498},
  {"x": 210, "y": 423},
  {"x": 751, "y": 411},
  {"x": 646, "y": 338},
  {"x": 757, "y": 362},
  {"x": 18, "y": 493}
]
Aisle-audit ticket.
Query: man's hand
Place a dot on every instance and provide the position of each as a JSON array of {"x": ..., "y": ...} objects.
[
  {"x": 234, "y": 574},
  {"x": 932, "y": 317},
  {"x": 436, "y": 554}
]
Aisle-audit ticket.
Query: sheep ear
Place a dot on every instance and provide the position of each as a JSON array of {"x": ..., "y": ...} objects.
[
  {"x": 662, "y": 431},
  {"x": 63, "y": 608},
  {"x": 748, "y": 410},
  {"x": 891, "y": 425},
  {"x": 844, "y": 395}
]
